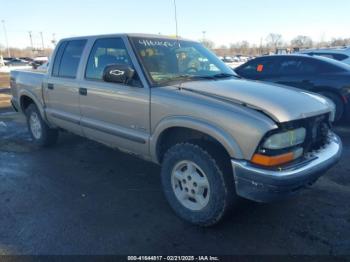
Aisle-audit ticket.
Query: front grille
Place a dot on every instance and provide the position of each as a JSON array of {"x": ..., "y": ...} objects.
[{"x": 317, "y": 129}]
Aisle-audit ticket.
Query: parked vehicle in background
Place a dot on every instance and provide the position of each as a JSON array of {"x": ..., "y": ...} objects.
[
  {"x": 338, "y": 53},
  {"x": 229, "y": 61},
  {"x": 173, "y": 102},
  {"x": 7, "y": 64},
  {"x": 28, "y": 59},
  {"x": 38, "y": 61},
  {"x": 44, "y": 67},
  {"x": 13, "y": 61},
  {"x": 242, "y": 58},
  {"x": 232, "y": 62},
  {"x": 316, "y": 74}
]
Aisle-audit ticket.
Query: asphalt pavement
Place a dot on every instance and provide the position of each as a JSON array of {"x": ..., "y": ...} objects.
[{"x": 81, "y": 197}]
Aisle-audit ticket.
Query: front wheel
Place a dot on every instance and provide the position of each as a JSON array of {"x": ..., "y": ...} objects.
[
  {"x": 195, "y": 185},
  {"x": 40, "y": 132}
]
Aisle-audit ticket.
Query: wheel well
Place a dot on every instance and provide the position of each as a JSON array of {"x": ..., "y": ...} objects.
[
  {"x": 175, "y": 135},
  {"x": 322, "y": 92},
  {"x": 25, "y": 102}
]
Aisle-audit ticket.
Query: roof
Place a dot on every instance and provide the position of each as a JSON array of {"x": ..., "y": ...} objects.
[
  {"x": 127, "y": 35},
  {"x": 287, "y": 55},
  {"x": 328, "y": 49},
  {"x": 320, "y": 58}
]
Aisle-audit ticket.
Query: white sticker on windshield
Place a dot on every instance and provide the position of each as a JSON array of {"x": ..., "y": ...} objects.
[{"x": 147, "y": 42}]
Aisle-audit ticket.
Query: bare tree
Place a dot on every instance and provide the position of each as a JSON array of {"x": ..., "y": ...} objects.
[
  {"x": 340, "y": 42},
  {"x": 274, "y": 40},
  {"x": 208, "y": 43},
  {"x": 223, "y": 47},
  {"x": 302, "y": 41},
  {"x": 241, "y": 48},
  {"x": 244, "y": 46}
]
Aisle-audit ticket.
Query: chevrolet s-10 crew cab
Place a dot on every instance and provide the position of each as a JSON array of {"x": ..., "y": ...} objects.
[{"x": 173, "y": 102}]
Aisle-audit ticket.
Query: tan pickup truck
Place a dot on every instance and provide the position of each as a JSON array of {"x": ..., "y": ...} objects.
[{"x": 173, "y": 102}]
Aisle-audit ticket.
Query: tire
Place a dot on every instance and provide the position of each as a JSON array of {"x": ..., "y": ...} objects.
[
  {"x": 339, "y": 105},
  {"x": 213, "y": 201},
  {"x": 40, "y": 132}
]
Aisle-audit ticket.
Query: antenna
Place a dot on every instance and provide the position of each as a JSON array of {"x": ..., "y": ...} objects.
[{"x": 175, "y": 16}]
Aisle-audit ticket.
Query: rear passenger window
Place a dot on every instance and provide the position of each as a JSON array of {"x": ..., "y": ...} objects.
[
  {"x": 58, "y": 56},
  {"x": 69, "y": 58},
  {"x": 106, "y": 51},
  {"x": 297, "y": 66}
]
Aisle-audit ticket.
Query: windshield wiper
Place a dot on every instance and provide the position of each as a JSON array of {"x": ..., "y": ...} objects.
[
  {"x": 186, "y": 77},
  {"x": 224, "y": 75}
]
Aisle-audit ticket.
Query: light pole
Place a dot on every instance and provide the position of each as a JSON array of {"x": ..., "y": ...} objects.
[
  {"x": 175, "y": 17},
  {"x": 204, "y": 32},
  {"x": 6, "y": 39},
  {"x": 53, "y": 41},
  {"x": 31, "y": 41},
  {"x": 42, "y": 41}
]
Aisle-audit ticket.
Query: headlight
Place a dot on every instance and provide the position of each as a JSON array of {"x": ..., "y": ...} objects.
[{"x": 285, "y": 139}]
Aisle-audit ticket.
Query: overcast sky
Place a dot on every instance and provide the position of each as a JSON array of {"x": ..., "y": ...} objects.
[{"x": 224, "y": 21}]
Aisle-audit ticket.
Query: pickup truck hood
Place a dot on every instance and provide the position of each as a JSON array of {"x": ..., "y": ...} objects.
[{"x": 281, "y": 103}]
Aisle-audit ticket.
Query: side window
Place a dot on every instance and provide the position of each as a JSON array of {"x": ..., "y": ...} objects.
[
  {"x": 69, "y": 62},
  {"x": 259, "y": 67},
  {"x": 58, "y": 57},
  {"x": 293, "y": 66},
  {"x": 106, "y": 51}
]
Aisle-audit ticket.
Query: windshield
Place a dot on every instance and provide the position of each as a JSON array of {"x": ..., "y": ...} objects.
[{"x": 169, "y": 60}]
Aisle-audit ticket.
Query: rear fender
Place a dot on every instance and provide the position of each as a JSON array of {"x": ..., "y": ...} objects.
[{"x": 26, "y": 93}]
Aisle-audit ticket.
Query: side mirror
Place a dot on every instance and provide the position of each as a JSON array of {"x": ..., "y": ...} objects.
[{"x": 118, "y": 73}]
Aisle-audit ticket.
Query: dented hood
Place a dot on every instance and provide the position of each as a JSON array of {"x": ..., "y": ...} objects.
[{"x": 281, "y": 103}]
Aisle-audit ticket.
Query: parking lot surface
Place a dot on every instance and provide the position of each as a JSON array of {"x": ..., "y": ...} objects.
[{"x": 80, "y": 197}]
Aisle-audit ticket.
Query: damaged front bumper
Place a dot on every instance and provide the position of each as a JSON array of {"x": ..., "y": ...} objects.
[{"x": 265, "y": 185}]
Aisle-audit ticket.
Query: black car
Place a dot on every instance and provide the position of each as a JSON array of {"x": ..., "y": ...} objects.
[
  {"x": 317, "y": 74},
  {"x": 25, "y": 58},
  {"x": 12, "y": 61}
]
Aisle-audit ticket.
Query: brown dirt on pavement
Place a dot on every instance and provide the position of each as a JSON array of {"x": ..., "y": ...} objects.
[{"x": 4, "y": 91}]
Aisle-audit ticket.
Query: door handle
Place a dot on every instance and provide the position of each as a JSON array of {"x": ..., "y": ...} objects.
[
  {"x": 83, "y": 91},
  {"x": 50, "y": 86}
]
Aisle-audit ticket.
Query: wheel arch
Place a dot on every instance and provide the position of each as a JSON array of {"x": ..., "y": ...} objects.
[
  {"x": 338, "y": 95},
  {"x": 26, "y": 98},
  {"x": 184, "y": 129}
]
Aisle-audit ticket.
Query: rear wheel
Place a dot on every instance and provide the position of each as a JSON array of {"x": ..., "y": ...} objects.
[
  {"x": 40, "y": 132},
  {"x": 195, "y": 185},
  {"x": 339, "y": 104}
]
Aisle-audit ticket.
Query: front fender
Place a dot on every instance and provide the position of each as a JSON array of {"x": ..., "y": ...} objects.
[{"x": 225, "y": 139}]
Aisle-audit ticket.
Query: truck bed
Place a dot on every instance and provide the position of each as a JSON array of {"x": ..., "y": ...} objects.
[{"x": 27, "y": 81}]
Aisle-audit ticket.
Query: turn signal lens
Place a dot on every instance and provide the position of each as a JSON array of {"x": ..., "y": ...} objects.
[{"x": 270, "y": 161}]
